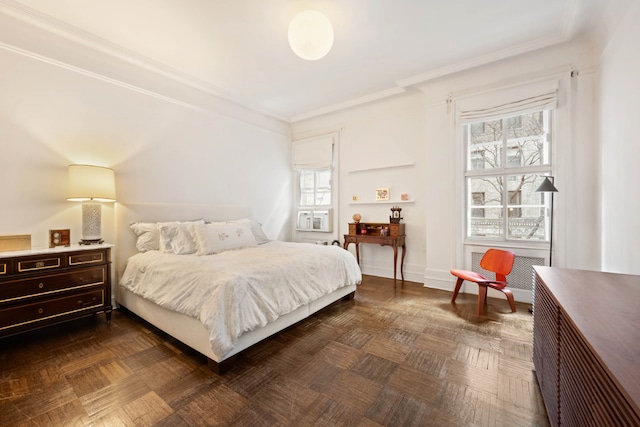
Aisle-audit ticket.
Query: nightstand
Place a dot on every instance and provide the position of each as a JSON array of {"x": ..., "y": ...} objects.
[{"x": 43, "y": 287}]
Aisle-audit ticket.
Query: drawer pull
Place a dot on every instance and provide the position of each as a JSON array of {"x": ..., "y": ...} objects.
[
  {"x": 79, "y": 301},
  {"x": 40, "y": 311},
  {"x": 39, "y": 264},
  {"x": 41, "y": 285}
]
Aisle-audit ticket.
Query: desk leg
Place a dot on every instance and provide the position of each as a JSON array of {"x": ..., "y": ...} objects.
[
  {"x": 404, "y": 251},
  {"x": 395, "y": 263}
]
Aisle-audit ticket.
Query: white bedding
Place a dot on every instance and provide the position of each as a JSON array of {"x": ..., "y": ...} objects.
[{"x": 237, "y": 291}]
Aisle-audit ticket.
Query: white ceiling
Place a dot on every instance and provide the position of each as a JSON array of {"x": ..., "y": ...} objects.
[{"x": 239, "y": 49}]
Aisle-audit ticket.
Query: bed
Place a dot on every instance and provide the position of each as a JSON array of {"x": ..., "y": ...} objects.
[{"x": 222, "y": 300}]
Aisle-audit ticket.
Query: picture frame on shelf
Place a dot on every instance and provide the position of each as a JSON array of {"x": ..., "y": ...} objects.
[{"x": 382, "y": 194}]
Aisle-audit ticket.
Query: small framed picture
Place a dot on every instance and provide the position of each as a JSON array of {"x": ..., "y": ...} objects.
[
  {"x": 382, "y": 194},
  {"x": 59, "y": 238}
]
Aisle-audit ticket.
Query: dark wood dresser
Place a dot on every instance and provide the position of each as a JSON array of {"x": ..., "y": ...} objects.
[
  {"x": 586, "y": 346},
  {"x": 42, "y": 287}
]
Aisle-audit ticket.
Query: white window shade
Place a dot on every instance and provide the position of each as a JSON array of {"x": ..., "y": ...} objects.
[
  {"x": 507, "y": 102},
  {"x": 314, "y": 154}
]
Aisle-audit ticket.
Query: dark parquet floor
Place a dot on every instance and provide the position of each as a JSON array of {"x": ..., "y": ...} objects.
[{"x": 404, "y": 357}]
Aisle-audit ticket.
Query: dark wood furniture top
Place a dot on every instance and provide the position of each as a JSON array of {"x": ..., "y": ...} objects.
[
  {"x": 597, "y": 312},
  {"x": 42, "y": 287},
  {"x": 383, "y": 234}
]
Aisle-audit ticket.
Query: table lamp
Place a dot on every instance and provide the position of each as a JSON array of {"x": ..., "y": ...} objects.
[{"x": 91, "y": 185}]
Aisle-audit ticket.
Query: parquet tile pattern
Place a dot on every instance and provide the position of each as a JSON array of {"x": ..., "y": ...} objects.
[{"x": 403, "y": 357}]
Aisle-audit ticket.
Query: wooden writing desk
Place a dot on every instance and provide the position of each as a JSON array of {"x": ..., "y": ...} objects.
[{"x": 383, "y": 234}]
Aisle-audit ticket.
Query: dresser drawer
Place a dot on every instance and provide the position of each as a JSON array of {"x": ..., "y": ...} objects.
[
  {"x": 51, "y": 308},
  {"x": 88, "y": 257},
  {"x": 4, "y": 268},
  {"x": 52, "y": 283},
  {"x": 40, "y": 263}
]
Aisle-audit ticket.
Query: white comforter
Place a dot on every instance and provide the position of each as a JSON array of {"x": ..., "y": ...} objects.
[{"x": 237, "y": 291}]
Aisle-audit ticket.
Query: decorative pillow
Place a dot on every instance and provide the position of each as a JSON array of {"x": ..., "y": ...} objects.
[
  {"x": 176, "y": 237},
  {"x": 255, "y": 227},
  {"x": 148, "y": 236},
  {"x": 218, "y": 237}
]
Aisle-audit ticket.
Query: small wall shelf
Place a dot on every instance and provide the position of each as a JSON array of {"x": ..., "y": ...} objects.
[
  {"x": 381, "y": 202},
  {"x": 403, "y": 165}
]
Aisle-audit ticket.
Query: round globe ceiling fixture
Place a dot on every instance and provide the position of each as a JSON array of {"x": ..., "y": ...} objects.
[{"x": 310, "y": 35}]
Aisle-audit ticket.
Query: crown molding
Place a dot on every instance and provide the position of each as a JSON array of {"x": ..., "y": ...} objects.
[
  {"x": 76, "y": 35},
  {"x": 95, "y": 43},
  {"x": 481, "y": 60},
  {"x": 404, "y": 84},
  {"x": 350, "y": 103}
]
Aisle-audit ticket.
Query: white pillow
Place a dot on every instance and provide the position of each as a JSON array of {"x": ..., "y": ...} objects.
[
  {"x": 255, "y": 227},
  {"x": 148, "y": 236},
  {"x": 217, "y": 237},
  {"x": 176, "y": 238}
]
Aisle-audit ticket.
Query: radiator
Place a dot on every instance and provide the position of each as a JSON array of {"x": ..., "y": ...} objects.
[{"x": 521, "y": 274}]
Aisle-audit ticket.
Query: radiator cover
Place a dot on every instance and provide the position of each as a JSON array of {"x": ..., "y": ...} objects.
[{"x": 521, "y": 274}]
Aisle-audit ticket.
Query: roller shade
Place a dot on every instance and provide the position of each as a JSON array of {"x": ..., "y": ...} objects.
[
  {"x": 507, "y": 102},
  {"x": 313, "y": 154}
]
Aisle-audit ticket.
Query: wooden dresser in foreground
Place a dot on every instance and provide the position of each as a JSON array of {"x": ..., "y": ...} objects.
[
  {"x": 43, "y": 287},
  {"x": 586, "y": 346}
]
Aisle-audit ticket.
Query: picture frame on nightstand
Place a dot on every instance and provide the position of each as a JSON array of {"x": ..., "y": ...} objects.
[{"x": 59, "y": 238}]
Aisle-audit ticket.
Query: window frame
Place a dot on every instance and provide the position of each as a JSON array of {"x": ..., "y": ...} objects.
[
  {"x": 315, "y": 213},
  {"x": 315, "y": 153},
  {"x": 505, "y": 171}
]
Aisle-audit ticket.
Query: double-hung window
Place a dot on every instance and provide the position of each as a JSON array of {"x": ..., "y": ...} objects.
[
  {"x": 313, "y": 161},
  {"x": 506, "y": 161},
  {"x": 508, "y": 153}
]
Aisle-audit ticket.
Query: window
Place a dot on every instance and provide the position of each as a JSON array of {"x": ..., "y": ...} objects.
[
  {"x": 313, "y": 161},
  {"x": 315, "y": 199},
  {"x": 315, "y": 188},
  {"x": 507, "y": 159}
]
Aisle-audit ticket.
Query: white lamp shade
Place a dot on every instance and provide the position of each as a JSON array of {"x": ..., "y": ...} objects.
[
  {"x": 91, "y": 183},
  {"x": 310, "y": 35}
]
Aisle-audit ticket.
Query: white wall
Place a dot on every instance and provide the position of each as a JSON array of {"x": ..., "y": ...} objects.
[
  {"x": 575, "y": 159},
  {"x": 419, "y": 126},
  {"x": 619, "y": 133},
  {"x": 166, "y": 142},
  {"x": 378, "y": 135}
]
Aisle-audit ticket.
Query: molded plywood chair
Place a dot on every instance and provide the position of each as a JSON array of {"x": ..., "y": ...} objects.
[{"x": 497, "y": 261}]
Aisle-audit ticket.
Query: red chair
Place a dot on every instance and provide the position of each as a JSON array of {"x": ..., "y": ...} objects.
[{"x": 497, "y": 261}]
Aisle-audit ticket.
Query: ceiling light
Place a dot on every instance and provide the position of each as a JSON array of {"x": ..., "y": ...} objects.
[{"x": 310, "y": 35}]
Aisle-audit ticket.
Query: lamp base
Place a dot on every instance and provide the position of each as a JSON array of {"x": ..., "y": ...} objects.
[{"x": 90, "y": 241}]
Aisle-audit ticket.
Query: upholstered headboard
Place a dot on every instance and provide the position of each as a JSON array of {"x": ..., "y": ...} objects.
[{"x": 126, "y": 214}]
